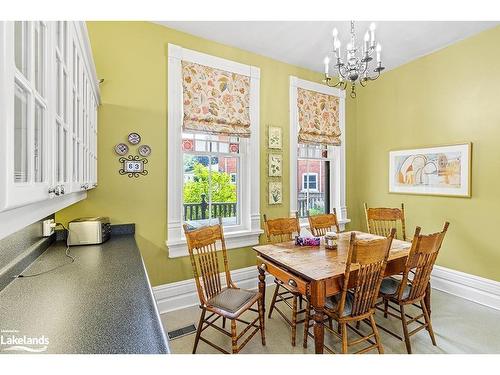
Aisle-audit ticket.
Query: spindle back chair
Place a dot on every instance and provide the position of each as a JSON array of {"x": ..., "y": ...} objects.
[
  {"x": 381, "y": 220},
  {"x": 364, "y": 271},
  {"x": 323, "y": 223},
  {"x": 282, "y": 230},
  {"x": 226, "y": 301},
  {"x": 411, "y": 289}
]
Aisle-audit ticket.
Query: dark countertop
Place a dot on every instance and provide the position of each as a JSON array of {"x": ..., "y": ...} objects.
[{"x": 101, "y": 303}]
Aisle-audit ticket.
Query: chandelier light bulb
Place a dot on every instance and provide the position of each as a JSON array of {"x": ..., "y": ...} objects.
[
  {"x": 378, "y": 49},
  {"x": 335, "y": 32},
  {"x": 373, "y": 26},
  {"x": 367, "y": 36},
  {"x": 336, "y": 44}
]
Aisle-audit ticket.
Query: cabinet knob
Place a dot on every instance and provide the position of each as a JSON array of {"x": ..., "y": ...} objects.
[{"x": 292, "y": 283}]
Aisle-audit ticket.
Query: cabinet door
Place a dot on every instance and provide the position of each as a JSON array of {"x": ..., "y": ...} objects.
[
  {"x": 63, "y": 105},
  {"x": 26, "y": 136}
]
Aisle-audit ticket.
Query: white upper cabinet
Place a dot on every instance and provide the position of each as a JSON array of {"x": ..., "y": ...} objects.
[{"x": 48, "y": 100}]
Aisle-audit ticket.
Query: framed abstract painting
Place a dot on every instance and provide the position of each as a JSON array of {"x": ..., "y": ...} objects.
[{"x": 441, "y": 170}]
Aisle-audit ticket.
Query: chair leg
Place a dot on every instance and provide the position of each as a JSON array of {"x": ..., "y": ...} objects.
[
  {"x": 358, "y": 324},
  {"x": 294, "y": 319},
  {"x": 330, "y": 323},
  {"x": 428, "y": 322},
  {"x": 386, "y": 307},
  {"x": 260, "y": 307},
  {"x": 300, "y": 302},
  {"x": 234, "y": 335},
  {"x": 275, "y": 295},
  {"x": 198, "y": 331},
  {"x": 223, "y": 322},
  {"x": 344, "y": 337},
  {"x": 405, "y": 328},
  {"x": 307, "y": 318},
  {"x": 377, "y": 335}
]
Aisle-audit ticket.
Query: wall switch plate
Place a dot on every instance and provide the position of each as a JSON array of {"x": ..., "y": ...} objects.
[{"x": 48, "y": 227}]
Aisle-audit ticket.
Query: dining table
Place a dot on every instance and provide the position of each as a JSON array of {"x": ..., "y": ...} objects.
[{"x": 317, "y": 272}]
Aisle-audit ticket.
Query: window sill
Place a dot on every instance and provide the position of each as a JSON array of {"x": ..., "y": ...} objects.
[{"x": 234, "y": 240}]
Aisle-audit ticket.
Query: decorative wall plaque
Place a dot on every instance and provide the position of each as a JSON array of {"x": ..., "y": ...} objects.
[{"x": 133, "y": 166}]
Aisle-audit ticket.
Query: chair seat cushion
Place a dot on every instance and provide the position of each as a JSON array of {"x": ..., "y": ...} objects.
[
  {"x": 231, "y": 299},
  {"x": 332, "y": 303},
  {"x": 390, "y": 286}
]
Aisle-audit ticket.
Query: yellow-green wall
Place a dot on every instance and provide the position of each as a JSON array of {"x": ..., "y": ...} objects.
[
  {"x": 447, "y": 97},
  {"x": 132, "y": 59}
]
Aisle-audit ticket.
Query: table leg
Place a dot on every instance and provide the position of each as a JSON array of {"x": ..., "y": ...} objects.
[
  {"x": 262, "y": 290},
  {"x": 427, "y": 298},
  {"x": 318, "y": 303}
]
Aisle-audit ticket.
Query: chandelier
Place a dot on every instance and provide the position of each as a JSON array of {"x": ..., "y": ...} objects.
[{"x": 355, "y": 67}]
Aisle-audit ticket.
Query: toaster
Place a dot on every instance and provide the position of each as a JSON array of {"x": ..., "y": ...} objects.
[{"x": 89, "y": 231}]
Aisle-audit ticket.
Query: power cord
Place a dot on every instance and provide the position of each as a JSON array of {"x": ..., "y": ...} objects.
[{"x": 67, "y": 253}]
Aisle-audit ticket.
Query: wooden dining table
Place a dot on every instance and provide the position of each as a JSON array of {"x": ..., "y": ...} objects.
[{"x": 317, "y": 273}]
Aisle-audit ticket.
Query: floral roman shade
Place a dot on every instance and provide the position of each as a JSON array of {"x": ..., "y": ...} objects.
[
  {"x": 215, "y": 101},
  {"x": 318, "y": 118}
]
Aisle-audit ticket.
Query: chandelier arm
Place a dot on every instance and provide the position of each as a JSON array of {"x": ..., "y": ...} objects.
[{"x": 374, "y": 77}]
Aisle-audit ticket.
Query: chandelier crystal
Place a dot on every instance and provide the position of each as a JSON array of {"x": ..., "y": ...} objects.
[{"x": 357, "y": 63}]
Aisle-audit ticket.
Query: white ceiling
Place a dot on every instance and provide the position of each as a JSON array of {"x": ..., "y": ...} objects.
[{"x": 306, "y": 43}]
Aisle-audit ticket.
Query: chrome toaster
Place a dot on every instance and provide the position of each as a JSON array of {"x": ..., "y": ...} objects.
[{"x": 89, "y": 231}]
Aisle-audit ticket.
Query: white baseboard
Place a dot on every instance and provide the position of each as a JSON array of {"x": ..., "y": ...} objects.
[
  {"x": 181, "y": 294},
  {"x": 473, "y": 288}
]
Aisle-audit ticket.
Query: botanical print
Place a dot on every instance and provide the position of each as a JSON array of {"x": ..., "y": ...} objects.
[
  {"x": 439, "y": 170},
  {"x": 275, "y": 165},
  {"x": 215, "y": 101},
  {"x": 274, "y": 137},
  {"x": 275, "y": 195},
  {"x": 318, "y": 117}
]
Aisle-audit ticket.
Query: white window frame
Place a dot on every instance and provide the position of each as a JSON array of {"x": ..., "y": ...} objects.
[
  {"x": 248, "y": 232},
  {"x": 304, "y": 187},
  {"x": 337, "y": 165}
]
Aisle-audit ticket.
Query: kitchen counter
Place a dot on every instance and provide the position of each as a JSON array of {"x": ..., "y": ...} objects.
[{"x": 101, "y": 303}]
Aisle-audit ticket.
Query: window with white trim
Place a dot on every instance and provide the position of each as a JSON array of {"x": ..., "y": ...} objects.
[
  {"x": 211, "y": 164},
  {"x": 317, "y": 171},
  {"x": 211, "y": 175}
]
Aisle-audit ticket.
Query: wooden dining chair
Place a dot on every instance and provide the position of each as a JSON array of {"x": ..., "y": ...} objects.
[
  {"x": 228, "y": 301},
  {"x": 323, "y": 223},
  {"x": 381, "y": 220},
  {"x": 364, "y": 271},
  {"x": 411, "y": 289},
  {"x": 282, "y": 230}
]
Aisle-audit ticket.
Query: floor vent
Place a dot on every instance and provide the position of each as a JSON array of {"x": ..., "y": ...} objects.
[{"x": 184, "y": 331}]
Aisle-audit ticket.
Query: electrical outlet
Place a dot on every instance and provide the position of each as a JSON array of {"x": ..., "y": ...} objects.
[{"x": 48, "y": 227}]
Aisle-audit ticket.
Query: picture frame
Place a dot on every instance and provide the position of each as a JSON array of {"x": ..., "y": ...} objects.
[
  {"x": 436, "y": 170},
  {"x": 275, "y": 192},
  {"x": 275, "y": 165},
  {"x": 275, "y": 138}
]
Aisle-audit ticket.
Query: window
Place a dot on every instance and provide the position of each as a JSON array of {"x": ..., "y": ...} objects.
[
  {"x": 210, "y": 162},
  {"x": 210, "y": 171},
  {"x": 317, "y": 172},
  {"x": 310, "y": 180},
  {"x": 313, "y": 180}
]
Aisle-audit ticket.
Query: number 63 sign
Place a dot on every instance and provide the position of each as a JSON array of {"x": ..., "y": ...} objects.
[{"x": 133, "y": 166}]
